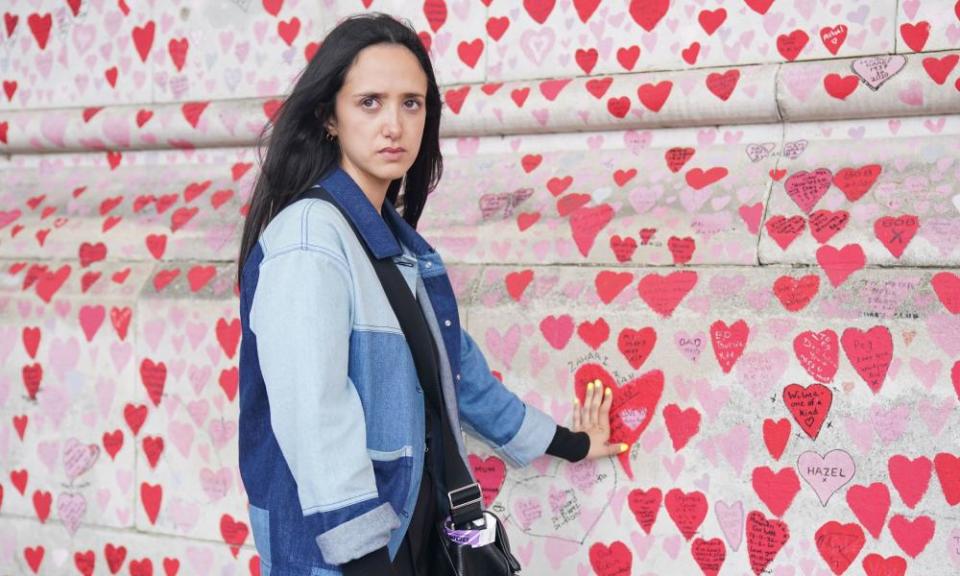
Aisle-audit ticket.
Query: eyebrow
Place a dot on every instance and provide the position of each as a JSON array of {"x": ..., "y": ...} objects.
[{"x": 381, "y": 94}]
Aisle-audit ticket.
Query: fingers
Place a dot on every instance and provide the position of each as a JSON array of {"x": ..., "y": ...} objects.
[
  {"x": 617, "y": 448},
  {"x": 605, "y": 408},
  {"x": 594, "y": 389},
  {"x": 577, "y": 419}
]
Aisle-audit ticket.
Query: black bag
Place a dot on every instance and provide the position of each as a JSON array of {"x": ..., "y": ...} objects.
[{"x": 466, "y": 500}]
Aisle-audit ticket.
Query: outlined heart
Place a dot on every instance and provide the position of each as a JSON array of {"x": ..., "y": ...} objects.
[{"x": 828, "y": 473}]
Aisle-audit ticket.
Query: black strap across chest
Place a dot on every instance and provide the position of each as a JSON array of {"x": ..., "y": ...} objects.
[{"x": 465, "y": 501}]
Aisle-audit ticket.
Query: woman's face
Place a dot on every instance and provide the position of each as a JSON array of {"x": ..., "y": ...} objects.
[{"x": 379, "y": 115}]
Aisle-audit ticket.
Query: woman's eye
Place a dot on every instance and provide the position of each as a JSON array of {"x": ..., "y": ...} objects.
[
  {"x": 368, "y": 102},
  {"x": 413, "y": 104}
]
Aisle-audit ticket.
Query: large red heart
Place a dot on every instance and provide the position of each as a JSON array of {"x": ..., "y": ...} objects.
[
  {"x": 948, "y": 471},
  {"x": 234, "y": 532},
  {"x": 632, "y": 408},
  {"x": 824, "y": 224},
  {"x": 765, "y": 538},
  {"x": 776, "y": 489},
  {"x": 895, "y": 233},
  {"x": 807, "y": 188},
  {"x": 615, "y": 560},
  {"x": 809, "y": 406},
  {"x": 645, "y": 505},
  {"x": 870, "y": 504},
  {"x": 647, "y": 13},
  {"x": 870, "y": 352},
  {"x": 785, "y": 230},
  {"x": 586, "y": 223},
  {"x": 839, "y": 544},
  {"x": 686, "y": 510},
  {"x": 636, "y": 345},
  {"x": 855, "y": 182},
  {"x": 115, "y": 556},
  {"x": 490, "y": 474},
  {"x": 775, "y": 436},
  {"x": 682, "y": 425},
  {"x": 947, "y": 287},
  {"x": 796, "y": 293},
  {"x": 154, "y": 377},
  {"x": 709, "y": 555},
  {"x": 912, "y": 535},
  {"x": 877, "y": 565},
  {"x": 664, "y": 293},
  {"x": 729, "y": 342},
  {"x": 151, "y": 495},
  {"x": 955, "y": 376},
  {"x": 839, "y": 264},
  {"x": 910, "y": 477},
  {"x": 818, "y": 353}
]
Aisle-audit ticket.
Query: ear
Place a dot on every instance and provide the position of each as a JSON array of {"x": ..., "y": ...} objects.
[{"x": 331, "y": 126}]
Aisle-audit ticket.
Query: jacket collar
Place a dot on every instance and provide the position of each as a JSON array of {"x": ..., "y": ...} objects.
[{"x": 379, "y": 233}]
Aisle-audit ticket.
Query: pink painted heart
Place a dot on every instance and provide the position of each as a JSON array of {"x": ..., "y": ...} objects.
[
  {"x": 70, "y": 508},
  {"x": 730, "y": 517},
  {"x": 78, "y": 457},
  {"x": 807, "y": 188},
  {"x": 826, "y": 474}
]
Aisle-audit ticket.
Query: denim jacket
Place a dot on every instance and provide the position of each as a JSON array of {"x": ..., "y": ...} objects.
[{"x": 331, "y": 431}]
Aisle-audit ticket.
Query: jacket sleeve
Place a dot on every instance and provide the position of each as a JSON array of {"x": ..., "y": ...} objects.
[
  {"x": 302, "y": 316},
  {"x": 518, "y": 432}
]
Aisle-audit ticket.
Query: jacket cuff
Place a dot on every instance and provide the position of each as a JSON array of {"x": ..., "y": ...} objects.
[
  {"x": 571, "y": 446},
  {"x": 358, "y": 536},
  {"x": 531, "y": 440},
  {"x": 376, "y": 562}
]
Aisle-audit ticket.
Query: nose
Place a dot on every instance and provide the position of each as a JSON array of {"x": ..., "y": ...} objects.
[{"x": 391, "y": 122}]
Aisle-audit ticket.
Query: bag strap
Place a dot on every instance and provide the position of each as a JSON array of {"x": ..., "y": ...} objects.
[{"x": 466, "y": 498}]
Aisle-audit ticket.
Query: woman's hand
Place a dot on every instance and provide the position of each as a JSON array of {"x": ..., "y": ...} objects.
[{"x": 594, "y": 419}]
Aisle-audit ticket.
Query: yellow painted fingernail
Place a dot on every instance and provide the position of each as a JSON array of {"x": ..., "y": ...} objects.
[
  {"x": 623, "y": 448},
  {"x": 597, "y": 382},
  {"x": 609, "y": 391},
  {"x": 589, "y": 385},
  {"x": 576, "y": 401}
]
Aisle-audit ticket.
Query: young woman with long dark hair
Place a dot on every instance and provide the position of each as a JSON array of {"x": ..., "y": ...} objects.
[{"x": 337, "y": 444}]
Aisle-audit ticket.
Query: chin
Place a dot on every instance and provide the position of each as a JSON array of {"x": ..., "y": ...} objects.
[{"x": 394, "y": 172}]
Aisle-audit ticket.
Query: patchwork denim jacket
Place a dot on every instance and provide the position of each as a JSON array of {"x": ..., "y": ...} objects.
[{"x": 331, "y": 431}]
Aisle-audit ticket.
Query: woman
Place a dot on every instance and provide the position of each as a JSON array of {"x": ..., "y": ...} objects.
[{"x": 335, "y": 435}]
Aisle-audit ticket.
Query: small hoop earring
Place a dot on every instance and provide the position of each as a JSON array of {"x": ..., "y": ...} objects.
[{"x": 330, "y": 137}]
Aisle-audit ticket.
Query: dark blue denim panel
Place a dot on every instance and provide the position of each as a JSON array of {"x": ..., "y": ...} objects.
[{"x": 381, "y": 367}]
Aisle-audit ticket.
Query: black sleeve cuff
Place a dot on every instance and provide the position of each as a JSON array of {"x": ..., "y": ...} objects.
[
  {"x": 376, "y": 562},
  {"x": 571, "y": 446}
]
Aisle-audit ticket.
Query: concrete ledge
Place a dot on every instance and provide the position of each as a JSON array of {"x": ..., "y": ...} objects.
[{"x": 795, "y": 91}]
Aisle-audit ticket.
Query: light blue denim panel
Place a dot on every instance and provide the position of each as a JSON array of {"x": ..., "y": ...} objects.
[
  {"x": 260, "y": 527},
  {"x": 303, "y": 337},
  {"x": 518, "y": 432}
]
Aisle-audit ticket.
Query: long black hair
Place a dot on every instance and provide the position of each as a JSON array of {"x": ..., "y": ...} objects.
[{"x": 297, "y": 152}]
